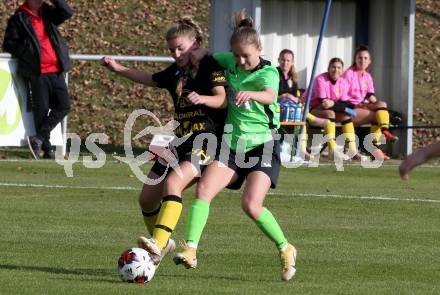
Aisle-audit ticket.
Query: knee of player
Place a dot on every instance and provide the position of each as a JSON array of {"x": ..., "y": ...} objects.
[
  {"x": 144, "y": 202},
  {"x": 329, "y": 114},
  {"x": 343, "y": 118},
  {"x": 150, "y": 197},
  {"x": 173, "y": 187},
  {"x": 252, "y": 209},
  {"x": 145, "y": 199},
  {"x": 202, "y": 189}
]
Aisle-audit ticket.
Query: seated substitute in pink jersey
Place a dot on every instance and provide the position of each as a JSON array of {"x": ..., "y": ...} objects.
[
  {"x": 361, "y": 86},
  {"x": 332, "y": 94},
  {"x": 330, "y": 100},
  {"x": 369, "y": 110}
]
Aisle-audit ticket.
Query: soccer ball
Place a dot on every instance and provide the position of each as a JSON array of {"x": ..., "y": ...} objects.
[{"x": 136, "y": 266}]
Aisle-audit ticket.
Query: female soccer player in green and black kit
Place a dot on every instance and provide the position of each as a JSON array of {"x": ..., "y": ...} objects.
[
  {"x": 198, "y": 94},
  {"x": 252, "y": 101}
]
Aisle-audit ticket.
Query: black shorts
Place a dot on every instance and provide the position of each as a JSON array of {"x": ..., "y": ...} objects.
[
  {"x": 268, "y": 162},
  {"x": 198, "y": 156}
]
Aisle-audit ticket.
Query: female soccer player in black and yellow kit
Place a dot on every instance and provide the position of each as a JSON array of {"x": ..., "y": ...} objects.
[{"x": 199, "y": 100}]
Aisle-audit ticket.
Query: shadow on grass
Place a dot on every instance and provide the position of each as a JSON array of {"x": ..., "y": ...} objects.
[
  {"x": 59, "y": 270},
  {"x": 116, "y": 280},
  {"x": 93, "y": 273},
  {"x": 211, "y": 277}
]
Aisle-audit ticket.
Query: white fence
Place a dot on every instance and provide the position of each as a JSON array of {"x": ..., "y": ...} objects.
[{"x": 16, "y": 121}]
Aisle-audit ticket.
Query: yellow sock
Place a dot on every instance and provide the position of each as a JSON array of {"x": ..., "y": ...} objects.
[
  {"x": 303, "y": 143},
  {"x": 167, "y": 220},
  {"x": 376, "y": 133},
  {"x": 316, "y": 121},
  {"x": 330, "y": 131},
  {"x": 383, "y": 118},
  {"x": 150, "y": 219},
  {"x": 311, "y": 117},
  {"x": 350, "y": 135}
]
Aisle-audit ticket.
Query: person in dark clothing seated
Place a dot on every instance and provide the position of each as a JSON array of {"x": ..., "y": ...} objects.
[{"x": 288, "y": 89}]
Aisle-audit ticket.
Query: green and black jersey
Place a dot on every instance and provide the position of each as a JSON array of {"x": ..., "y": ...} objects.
[
  {"x": 179, "y": 83},
  {"x": 254, "y": 125}
]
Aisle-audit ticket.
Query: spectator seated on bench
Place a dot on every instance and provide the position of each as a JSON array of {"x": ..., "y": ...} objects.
[
  {"x": 369, "y": 110},
  {"x": 329, "y": 100}
]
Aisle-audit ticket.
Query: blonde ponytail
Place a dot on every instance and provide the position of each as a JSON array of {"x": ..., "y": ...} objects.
[
  {"x": 244, "y": 31},
  {"x": 185, "y": 26}
]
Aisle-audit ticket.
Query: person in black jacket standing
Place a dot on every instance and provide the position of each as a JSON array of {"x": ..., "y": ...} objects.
[{"x": 32, "y": 37}]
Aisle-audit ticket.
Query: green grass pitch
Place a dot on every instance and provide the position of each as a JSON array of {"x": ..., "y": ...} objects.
[{"x": 360, "y": 231}]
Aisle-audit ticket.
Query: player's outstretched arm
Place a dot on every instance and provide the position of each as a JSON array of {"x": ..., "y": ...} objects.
[
  {"x": 132, "y": 74},
  {"x": 417, "y": 158}
]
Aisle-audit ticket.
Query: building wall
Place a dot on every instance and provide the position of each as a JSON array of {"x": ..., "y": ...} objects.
[
  {"x": 296, "y": 25},
  {"x": 221, "y": 26},
  {"x": 391, "y": 39}
]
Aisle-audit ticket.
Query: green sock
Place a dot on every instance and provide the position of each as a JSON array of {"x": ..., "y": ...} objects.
[
  {"x": 197, "y": 218},
  {"x": 270, "y": 227}
]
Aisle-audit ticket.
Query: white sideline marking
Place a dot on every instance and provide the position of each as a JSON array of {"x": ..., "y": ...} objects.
[
  {"x": 281, "y": 193},
  {"x": 56, "y": 186},
  {"x": 376, "y": 198},
  {"x": 324, "y": 164}
]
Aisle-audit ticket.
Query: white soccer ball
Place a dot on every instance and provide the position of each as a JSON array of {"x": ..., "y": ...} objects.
[{"x": 136, "y": 266}]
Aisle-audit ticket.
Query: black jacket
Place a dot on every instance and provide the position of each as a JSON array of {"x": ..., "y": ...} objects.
[{"x": 22, "y": 43}]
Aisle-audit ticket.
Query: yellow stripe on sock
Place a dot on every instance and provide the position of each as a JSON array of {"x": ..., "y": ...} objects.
[
  {"x": 310, "y": 117},
  {"x": 383, "y": 118},
  {"x": 376, "y": 133},
  {"x": 303, "y": 143},
  {"x": 150, "y": 222},
  {"x": 316, "y": 121},
  {"x": 150, "y": 219},
  {"x": 350, "y": 136},
  {"x": 167, "y": 220},
  {"x": 330, "y": 131}
]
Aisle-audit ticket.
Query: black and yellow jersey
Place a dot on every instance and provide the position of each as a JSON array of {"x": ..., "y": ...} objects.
[{"x": 180, "y": 83}]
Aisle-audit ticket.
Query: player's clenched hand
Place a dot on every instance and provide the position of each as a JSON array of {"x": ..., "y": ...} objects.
[
  {"x": 111, "y": 64},
  {"x": 327, "y": 103},
  {"x": 242, "y": 97},
  {"x": 290, "y": 98},
  {"x": 372, "y": 99},
  {"x": 195, "y": 98}
]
